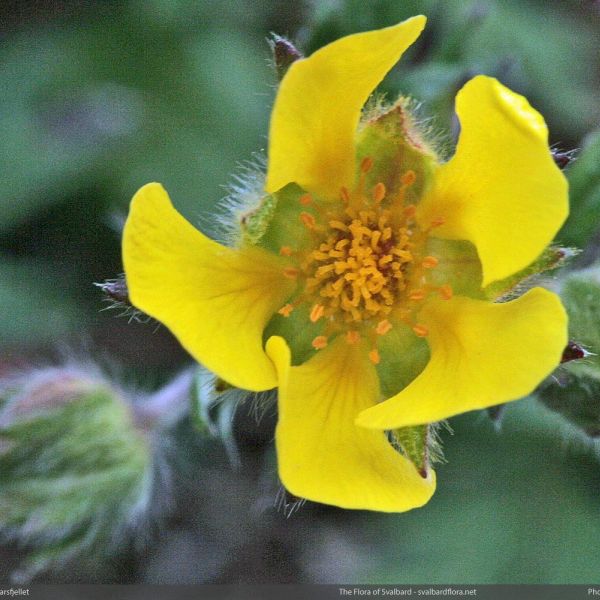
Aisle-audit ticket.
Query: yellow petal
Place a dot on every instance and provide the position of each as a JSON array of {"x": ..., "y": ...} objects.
[
  {"x": 321, "y": 453},
  {"x": 482, "y": 354},
  {"x": 501, "y": 190},
  {"x": 317, "y": 109},
  {"x": 216, "y": 300}
]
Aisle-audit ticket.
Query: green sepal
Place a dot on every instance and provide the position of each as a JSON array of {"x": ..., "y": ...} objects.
[
  {"x": 391, "y": 137},
  {"x": 584, "y": 195},
  {"x": 255, "y": 222},
  {"x": 459, "y": 266},
  {"x": 403, "y": 356},
  {"x": 552, "y": 258},
  {"x": 414, "y": 443},
  {"x": 297, "y": 330}
]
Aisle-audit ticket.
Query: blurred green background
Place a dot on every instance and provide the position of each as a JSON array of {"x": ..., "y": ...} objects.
[{"x": 98, "y": 98}]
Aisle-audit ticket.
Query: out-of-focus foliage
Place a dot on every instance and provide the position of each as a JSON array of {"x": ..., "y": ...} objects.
[
  {"x": 98, "y": 98},
  {"x": 584, "y": 181}
]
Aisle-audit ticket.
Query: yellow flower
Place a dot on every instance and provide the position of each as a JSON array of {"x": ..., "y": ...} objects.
[{"x": 362, "y": 275}]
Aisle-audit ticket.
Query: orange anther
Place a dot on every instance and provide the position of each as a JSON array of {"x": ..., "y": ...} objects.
[
  {"x": 374, "y": 356},
  {"x": 379, "y": 192},
  {"x": 286, "y": 310},
  {"x": 317, "y": 312},
  {"x": 417, "y": 294},
  {"x": 420, "y": 330},
  {"x": 430, "y": 262},
  {"x": 305, "y": 199},
  {"x": 408, "y": 178},
  {"x": 290, "y": 272},
  {"x": 285, "y": 251},
  {"x": 438, "y": 221},
  {"x": 345, "y": 194},
  {"x": 319, "y": 342},
  {"x": 446, "y": 291},
  {"x": 308, "y": 220},
  {"x": 366, "y": 164},
  {"x": 409, "y": 211},
  {"x": 352, "y": 336},
  {"x": 383, "y": 327}
]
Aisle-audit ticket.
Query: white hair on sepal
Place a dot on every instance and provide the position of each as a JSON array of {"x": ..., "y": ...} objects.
[{"x": 245, "y": 191}]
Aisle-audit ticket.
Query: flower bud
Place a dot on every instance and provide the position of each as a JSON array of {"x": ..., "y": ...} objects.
[
  {"x": 75, "y": 472},
  {"x": 284, "y": 54}
]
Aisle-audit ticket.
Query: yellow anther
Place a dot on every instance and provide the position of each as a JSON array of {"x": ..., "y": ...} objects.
[
  {"x": 374, "y": 356},
  {"x": 308, "y": 220},
  {"x": 430, "y": 262},
  {"x": 285, "y": 251},
  {"x": 366, "y": 164},
  {"x": 420, "y": 330},
  {"x": 318, "y": 310},
  {"x": 379, "y": 192},
  {"x": 352, "y": 336},
  {"x": 306, "y": 199},
  {"x": 446, "y": 291},
  {"x": 408, "y": 178},
  {"x": 291, "y": 272},
  {"x": 334, "y": 224},
  {"x": 286, "y": 310},
  {"x": 319, "y": 342},
  {"x": 417, "y": 294},
  {"x": 383, "y": 327}
]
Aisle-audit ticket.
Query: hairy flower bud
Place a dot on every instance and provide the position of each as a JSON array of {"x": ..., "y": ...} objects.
[{"x": 75, "y": 472}]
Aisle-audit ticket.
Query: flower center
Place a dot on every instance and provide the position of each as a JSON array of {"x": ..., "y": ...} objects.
[
  {"x": 367, "y": 268},
  {"x": 359, "y": 268}
]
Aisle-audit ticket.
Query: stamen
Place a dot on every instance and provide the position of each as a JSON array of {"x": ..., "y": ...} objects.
[
  {"x": 286, "y": 310},
  {"x": 379, "y": 192},
  {"x": 437, "y": 222},
  {"x": 366, "y": 164},
  {"x": 319, "y": 342},
  {"x": 383, "y": 327},
  {"x": 290, "y": 272},
  {"x": 308, "y": 220},
  {"x": 430, "y": 262},
  {"x": 318, "y": 310},
  {"x": 420, "y": 330},
  {"x": 345, "y": 194},
  {"x": 352, "y": 336},
  {"x": 306, "y": 199},
  {"x": 374, "y": 356},
  {"x": 446, "y": 291},
  {"x": 408, "y": 178},
  {"x": 417, "y": 294},
  {"x": 410, "y": 211},
  {"x": 285, "y": 251}
]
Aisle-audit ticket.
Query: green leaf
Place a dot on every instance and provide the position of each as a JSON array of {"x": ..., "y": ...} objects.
[{"x": 584, "y": 182}]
